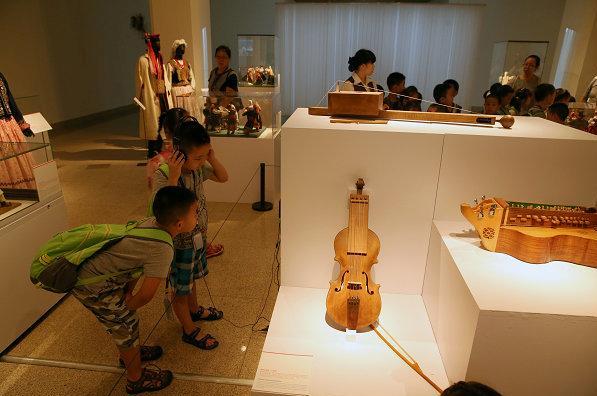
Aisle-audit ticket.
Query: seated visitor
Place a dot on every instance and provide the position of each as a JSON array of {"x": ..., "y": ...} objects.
[
  {"x": 505, "y": 95},
  {"x": 362, "y": 67},
  {"x": 491, "y": 105},
  {"x": 194, "y": 163},
  {"x": 113, "y": 300},
  {"x": 469, "y": 388},
  {"x": 411, "y": 99},
  {"x": 558, "y": 112},
  {"x": 544, "y": 96},
  {"x": 562, "y": 96},
  {"x": 522, "y": 101},
  {"x": 395, "y": 83},
  {"x": 440, "y": 94},
  {"x": 453, "y": 88}
]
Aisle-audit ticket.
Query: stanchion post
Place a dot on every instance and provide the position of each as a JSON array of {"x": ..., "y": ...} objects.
[{"x": 262, "y": 205}]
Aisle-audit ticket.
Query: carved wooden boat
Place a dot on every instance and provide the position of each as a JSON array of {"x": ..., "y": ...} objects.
[{"x": 536, "y": 233}]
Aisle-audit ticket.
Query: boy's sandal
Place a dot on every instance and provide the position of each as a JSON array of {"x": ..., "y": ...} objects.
[
  {"x": 150, "y": 381},
  {"x": 148, "y": 353},
  {"x": 214, "y": 250},
  {"x": 202, "y": 343},
  {"x": 214, "y": 314}
]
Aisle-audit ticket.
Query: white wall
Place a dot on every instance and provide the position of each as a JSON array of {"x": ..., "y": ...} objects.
[
  {"x": 527, "y": 20},
  {"x": 67, "y": 58},
  {"x": 185, "y": 21},
  {"x": 579, "y": 15},
  {"x": 589, "y": 69},
  {"x": 232, "y": 17}
]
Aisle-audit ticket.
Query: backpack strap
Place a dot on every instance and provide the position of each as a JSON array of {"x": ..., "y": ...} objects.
[{"x": 134, "y": 231}]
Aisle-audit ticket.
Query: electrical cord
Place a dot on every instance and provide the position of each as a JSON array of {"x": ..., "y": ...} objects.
[{"x": 259, "y": 317}]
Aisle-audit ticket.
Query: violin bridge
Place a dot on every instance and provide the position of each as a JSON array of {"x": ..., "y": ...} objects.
[{"x": 352, "y": 312}]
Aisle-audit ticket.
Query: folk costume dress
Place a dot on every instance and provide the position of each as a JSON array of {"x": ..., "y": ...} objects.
[
  {"x": 182, "y": 81},
  {"x": 15, "y": 172},
  {"x": 153, "y": 91}
]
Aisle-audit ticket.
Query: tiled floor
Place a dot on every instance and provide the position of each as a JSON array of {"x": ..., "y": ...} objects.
[{"x": 103, "y": 184}]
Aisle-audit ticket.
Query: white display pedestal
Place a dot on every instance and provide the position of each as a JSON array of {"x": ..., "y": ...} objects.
[
  {"x": 416, "y": 172},
  {"x": 524, "y": 329},
  {"x": 330, "y": 362},
  {"x": 241, "y": 157}
]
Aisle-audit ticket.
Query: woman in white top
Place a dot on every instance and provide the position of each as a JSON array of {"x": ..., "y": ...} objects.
[
  {"x": 528, "y": 79},
  {"x": 362, "y": 66}
]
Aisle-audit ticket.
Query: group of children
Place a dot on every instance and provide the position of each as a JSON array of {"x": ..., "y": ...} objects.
[
  {"x": 178, "y": 205},
  {"x": 546, "y": 102}
]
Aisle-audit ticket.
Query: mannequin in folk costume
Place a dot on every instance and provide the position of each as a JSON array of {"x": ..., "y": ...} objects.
[
  {"x": 181, "y": 78},
  {"x": 15, "y": 172},
  {"x": 153, "y": 91}
]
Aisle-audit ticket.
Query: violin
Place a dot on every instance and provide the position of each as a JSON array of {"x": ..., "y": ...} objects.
[{"x": 353, "y": 300}]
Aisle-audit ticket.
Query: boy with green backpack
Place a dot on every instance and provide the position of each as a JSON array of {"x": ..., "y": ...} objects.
[{"x": 100, "y": 266}]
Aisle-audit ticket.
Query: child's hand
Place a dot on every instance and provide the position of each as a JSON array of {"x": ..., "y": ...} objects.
[
  {"x": 211, "y": 155},
  {"x": 175, "y": 163}
]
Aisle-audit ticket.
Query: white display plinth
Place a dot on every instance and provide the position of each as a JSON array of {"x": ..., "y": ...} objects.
[
  {"x": 241, "y": 157},
  {"x": 341, "y": 364},
  {"x": 524, "y": 329},
  {"x": 416, "y": 172},
  {"x": 320, "y": 165}
]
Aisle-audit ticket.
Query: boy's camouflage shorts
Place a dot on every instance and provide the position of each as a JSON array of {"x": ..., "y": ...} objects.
[{"x": 111, "y": 311}]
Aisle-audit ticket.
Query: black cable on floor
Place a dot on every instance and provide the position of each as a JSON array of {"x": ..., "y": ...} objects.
[{"x": 209, "y": 292}]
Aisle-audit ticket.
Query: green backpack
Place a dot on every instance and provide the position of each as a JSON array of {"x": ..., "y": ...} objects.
[{"x": 56, "y": 266}]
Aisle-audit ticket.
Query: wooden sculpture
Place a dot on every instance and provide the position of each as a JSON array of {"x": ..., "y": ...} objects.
[
  {"x": 353, "y": 300},
  {"x": 536, "y": 233},
  {"x": 369, "y": 105}
]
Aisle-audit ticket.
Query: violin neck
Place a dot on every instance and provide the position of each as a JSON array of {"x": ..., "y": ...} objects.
[{"x": 358, "y": 224}]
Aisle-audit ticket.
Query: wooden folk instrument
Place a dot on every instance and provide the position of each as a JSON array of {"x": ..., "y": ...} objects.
[
  {"x": 353, "y": 300},
  {"x": 369, "y": 105},
  {"x": 536, "y": 233}
]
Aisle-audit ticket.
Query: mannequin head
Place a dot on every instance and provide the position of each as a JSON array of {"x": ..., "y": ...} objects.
[
  {"x": 178, "y": 48},
  {"x": 179, "y": 51}
]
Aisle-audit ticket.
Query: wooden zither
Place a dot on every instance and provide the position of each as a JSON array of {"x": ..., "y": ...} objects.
[
  {"x": 536, "y": 233},
  {"x": 353, "y": 300},
  {"x": 358, "y": 106}
]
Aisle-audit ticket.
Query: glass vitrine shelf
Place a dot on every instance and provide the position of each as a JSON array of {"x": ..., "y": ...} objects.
[{"x": 14, "y": 149}]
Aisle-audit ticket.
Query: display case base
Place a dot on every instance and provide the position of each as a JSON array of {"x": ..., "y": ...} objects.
[
  {"x": 304, "y": 355},
  {"x": 525, "y": 329}
]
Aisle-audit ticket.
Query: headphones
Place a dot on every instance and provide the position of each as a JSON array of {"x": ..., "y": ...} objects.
[{"x": 176, "y": 138}]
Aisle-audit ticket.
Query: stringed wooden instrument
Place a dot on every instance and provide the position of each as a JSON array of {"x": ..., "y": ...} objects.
[
  {"x": 359, "y": 106},
  {"x": 353, "y": 300},
  {"x": 535, "y": 233}
]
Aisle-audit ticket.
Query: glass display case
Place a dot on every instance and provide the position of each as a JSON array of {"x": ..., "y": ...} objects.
[
  {"x": 508, "y": 57},
  {"x": 248, "y": 115},
  {"x": 257, "y": 60},
  {"x": 27, "y": 176}
]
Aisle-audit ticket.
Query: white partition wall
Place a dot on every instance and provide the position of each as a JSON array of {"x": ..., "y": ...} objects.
[
  {"x": 537, "y": 161},
  {"x": 320, "y": 164}
]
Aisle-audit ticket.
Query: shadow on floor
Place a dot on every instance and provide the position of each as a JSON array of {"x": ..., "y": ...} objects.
[{"x": 131, "y": 154}]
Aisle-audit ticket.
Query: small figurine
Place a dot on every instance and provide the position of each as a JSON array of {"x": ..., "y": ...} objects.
[
  {"x": 207, "y": 115},
  {"x": 232, "y": 119},
  {"x": 253, "y": 114},
  {"x": 3, "y": 201}
]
